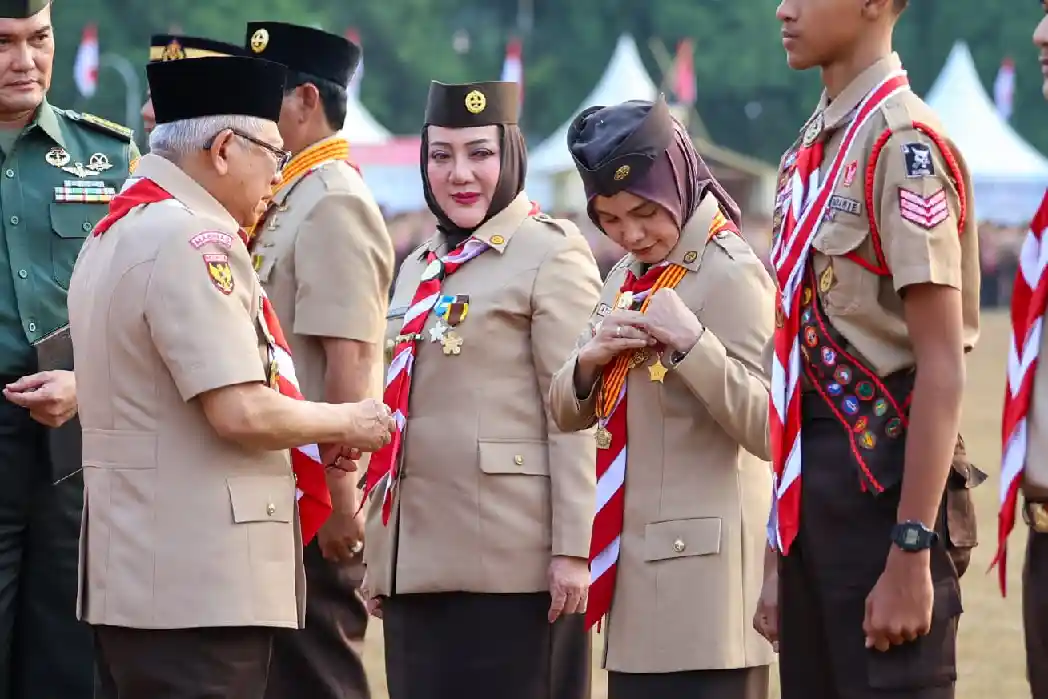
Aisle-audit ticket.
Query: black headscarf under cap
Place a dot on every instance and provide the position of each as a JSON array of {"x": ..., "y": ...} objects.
[
  {"x": 217, "y": 86},
  {"x": 638, "y": 147},
  {"x": 477, "y": 104},
  {"x": 21, "y": 9}
]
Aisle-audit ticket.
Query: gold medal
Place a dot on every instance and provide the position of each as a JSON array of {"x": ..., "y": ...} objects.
[
  {"x": 812, "y": 132},
  {"x": 451, "y": 344},
  {"x": 826, "y": 279},
  {"x": 657, "y": 371},
  {"x": 603, "y": 438}
]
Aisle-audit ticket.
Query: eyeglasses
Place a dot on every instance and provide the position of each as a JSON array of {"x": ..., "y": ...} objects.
[{"x": 283, "y": 157}]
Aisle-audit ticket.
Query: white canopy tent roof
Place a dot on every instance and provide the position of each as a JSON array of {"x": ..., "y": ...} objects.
[
  {"x": 1008, "y": 174},
  {"x": 360, "y": 128},
  {"x": 624, "y": 79}
]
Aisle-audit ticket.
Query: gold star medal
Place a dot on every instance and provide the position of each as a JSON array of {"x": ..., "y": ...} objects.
[{"x": 657, "y": 371}]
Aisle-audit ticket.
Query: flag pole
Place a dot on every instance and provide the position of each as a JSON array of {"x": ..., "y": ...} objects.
[{"x": 132, "y": 87}]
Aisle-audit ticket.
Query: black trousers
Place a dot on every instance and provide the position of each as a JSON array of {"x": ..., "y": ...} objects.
[
  {"x": 44, "y": 650},
  {"x": 322, "y": 661},
  {"x": 199, "y": 663},
  {"x": 742, "y": 683},
  {"x": 1035, "y": 613},
  {"x": 833, "y": 565},
  {"x": 460, "y": 645}
]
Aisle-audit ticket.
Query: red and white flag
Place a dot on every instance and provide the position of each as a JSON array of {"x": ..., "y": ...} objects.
[
  {"x": 1004, "y": 88},
  {"x": 85, "y": 70},
  {"x": 684, "y": 73},
  {"x": 354, "y": 82},
  {"x": 513, "y": 67}
]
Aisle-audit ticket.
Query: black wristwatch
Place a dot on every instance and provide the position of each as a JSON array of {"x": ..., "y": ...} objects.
[{"x": 913, "y": 536}]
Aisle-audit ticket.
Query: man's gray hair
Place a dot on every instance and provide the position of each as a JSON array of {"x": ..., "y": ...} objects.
[{"x": 179, "y": 138}]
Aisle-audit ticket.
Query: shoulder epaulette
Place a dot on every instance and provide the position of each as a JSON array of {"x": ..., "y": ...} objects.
[{"x": 100, "y": 124}]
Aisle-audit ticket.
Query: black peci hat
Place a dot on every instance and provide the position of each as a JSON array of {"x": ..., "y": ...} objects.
[
  {"x": 472, "y": 104},
  {"x": 215, "y": 86},
  {"x": 304, "y": 50},
  {"x": 20, "y": 9},
  {"x": 174, "y": 47},
  {"x": 613, "y": 146}
]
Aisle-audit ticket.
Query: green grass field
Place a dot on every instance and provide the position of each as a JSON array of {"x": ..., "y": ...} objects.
[{"x": 991, "y": 660}]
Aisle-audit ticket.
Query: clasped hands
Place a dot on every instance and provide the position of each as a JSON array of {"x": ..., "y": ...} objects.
[{"x": 666, "y": 321}]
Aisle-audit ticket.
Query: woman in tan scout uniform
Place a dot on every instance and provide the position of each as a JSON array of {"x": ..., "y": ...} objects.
[
  {"x": 480, "y": 510},
  {"x": 682, "y": 500},
  {"x": 876, "y": 256}
]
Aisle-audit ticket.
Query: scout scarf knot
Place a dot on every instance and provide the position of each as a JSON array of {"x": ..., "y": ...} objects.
[
  {"x": 314, "y": 499},
  {"x": 1029, "y": 302},
  {"x": 805, "y": 208}
]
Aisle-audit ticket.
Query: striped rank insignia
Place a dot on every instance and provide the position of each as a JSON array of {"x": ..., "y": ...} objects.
[{"x": 84, "y": 191}]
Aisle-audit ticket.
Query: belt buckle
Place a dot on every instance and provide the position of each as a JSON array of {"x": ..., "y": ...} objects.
[{"x": 1035, "y": 514}]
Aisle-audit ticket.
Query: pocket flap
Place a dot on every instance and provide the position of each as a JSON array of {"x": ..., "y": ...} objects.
[
  {"x": 73, "y": 220},
  {"x": 262, "y": 498},
  {"x": 682, "y": 538},
  {"x": 836, "y": 238},
  {"x": 526, "y": 458}
]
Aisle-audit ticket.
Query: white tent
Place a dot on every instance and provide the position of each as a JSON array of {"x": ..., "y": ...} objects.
[
  {"x": 360, "y": 128},
  {"x": 1008, "y": 174}
]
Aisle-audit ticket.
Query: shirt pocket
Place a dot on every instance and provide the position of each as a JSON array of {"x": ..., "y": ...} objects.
[
  {"x": 514, "y": 498},
  {"x": 844, "y": 286},
  {"x": 70, "y": 224}
]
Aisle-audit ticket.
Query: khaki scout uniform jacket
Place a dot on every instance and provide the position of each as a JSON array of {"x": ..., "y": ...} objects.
[
  {"x": 326, "y": 262},
  {"x": 180, "y": 527},
  {"x": 698, "y": 486},
  {"x": 490, "y": 489},
  {"x": 864, "y": 307}
]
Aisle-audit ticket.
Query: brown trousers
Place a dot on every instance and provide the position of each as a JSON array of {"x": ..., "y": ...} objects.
[
  {"x": 1035, "y": 613},
  {"x": 322, "y": 661},
  {"x": 199, "y": 663},
  {"x": 833, "y": 565}
]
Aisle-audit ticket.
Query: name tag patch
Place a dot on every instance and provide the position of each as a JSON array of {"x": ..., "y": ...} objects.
[
  {"x": 848, "y": 206},
  {"x": 603, "y": 309},
  {"x": 918, "y": 160},
  {"x": 217, "y": 237},
  {"x": 84, "y": 191}
]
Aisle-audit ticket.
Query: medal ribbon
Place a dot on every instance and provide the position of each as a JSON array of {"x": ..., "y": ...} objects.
[
  {"x": 1029, "y": 302},
  {"x": 808, "y": 201},
  {"x": 317, "y": 155},
  {"x": 311, "y": 491}
]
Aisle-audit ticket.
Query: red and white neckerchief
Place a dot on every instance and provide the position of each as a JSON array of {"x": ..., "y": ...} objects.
[
  {"x": 611, "y": 458},
  {"x": 808, "y": 201},
  {"x": 1029, "y": 301},
  {"x": 311, "y": 491}
]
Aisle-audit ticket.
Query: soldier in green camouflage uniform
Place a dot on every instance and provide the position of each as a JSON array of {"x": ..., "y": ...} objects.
[{"x": 58, "y": 169}]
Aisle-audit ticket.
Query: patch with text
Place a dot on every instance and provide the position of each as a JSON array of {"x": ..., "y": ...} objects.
[
  {"x": 848, "y": 206},
  {"x": 217, "y": 237}
]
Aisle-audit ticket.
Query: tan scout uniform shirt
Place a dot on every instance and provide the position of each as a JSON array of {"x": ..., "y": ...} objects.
[
  {"x": 490, "y": 488},
  {"x": 326, "y": 262},
  {"x": 864, "y": 307},
  {"x": 180, "y": 527},
  {"x": 698, "y": 486}
]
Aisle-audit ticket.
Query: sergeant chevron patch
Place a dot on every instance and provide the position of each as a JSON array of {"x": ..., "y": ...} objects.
[{"x": 926, "y": 212}]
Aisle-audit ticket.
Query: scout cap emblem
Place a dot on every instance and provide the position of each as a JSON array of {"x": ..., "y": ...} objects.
[
  {"x": 622, "y": 173},
  {"x": 259, "y": 41},
  {"x": 173, "y": 51},
  {"x": 811, "y": 133},
  {"x": 476, "y": 102}
]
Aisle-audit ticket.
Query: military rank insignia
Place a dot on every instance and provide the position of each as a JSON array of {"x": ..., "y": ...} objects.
[
  {"x": 84, "y": 191},
  {"x": 219, "y": 271}
]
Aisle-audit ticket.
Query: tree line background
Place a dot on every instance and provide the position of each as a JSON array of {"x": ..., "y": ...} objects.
[{"x": 739, "y": 61}]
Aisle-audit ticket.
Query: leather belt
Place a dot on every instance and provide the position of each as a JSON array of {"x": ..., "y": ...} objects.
[{"x": 1035, "y": 514}]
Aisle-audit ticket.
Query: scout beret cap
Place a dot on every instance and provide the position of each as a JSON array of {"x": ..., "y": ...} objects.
[
  {"x": 304, "y": 50},
  {"x": 173, "y": 47},
  {"x": 472, "y": 104},
  {"x": 220, "y": 85},
  {"x": 20, "y": 9},
  {"x": 613, "y": 146}
]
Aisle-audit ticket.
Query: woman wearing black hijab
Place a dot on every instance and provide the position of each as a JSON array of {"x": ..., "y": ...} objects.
[
  {"x": 480, "y": 510},
  {"x": 669, "y": 371}
]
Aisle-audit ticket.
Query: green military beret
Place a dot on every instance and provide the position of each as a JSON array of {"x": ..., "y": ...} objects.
[{"x": 20, "y": 9}]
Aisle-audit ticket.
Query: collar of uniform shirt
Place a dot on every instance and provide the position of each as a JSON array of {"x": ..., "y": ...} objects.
[{"x": 841, "y": 110}]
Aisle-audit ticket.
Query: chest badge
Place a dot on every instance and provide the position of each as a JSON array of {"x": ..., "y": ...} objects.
[
  {"x": 826, "y": 279},
  {"x": 219, "y": 271},
  {"x": 451, "y": 344},
  {"x": 99, "y": 162},
  {"x": 57, "y": 157}
]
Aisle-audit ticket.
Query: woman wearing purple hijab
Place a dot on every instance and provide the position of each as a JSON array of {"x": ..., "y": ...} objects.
[{"x": 669, "y": 372}]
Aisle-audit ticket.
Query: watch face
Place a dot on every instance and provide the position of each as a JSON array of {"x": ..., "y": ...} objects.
[{"x": 911, "y": 537}]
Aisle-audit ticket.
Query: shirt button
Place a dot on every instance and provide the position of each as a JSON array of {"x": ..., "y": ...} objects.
[
  {"x": 32, "y": 327},
  {"x": 518, "y": 460},
  {"x": 678, "y": 546},
  {"x": 9, "y": 172},
  {"x": 14, "y": 220},
  {"x": 22, "y": 273},
  {"x": 271, "y": 509},
  {"x": 87, "y": 226}
]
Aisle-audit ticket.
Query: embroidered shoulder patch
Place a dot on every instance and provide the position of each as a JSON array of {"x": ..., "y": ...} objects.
[
  {"x": 217, "y": 237},
  {"x": 926, "y": 212},
  {"x": 918, "y": 160},
  {"x": 849, "y": 173},
  {"x": 219, "y": 271}
]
